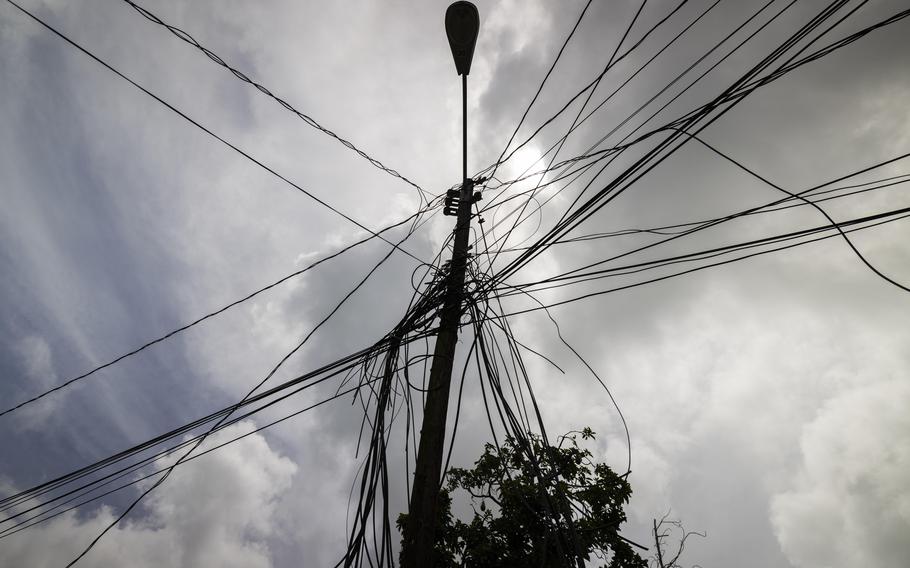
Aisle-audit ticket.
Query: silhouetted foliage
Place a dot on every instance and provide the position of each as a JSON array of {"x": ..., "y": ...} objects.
[{"x": 535, "y": 505}]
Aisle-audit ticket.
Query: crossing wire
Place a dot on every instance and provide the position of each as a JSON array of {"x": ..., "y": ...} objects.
[
  {"x": 189, "y": 39},
  {"x": 198, "y": 125},
  {"x": 717, "y": 221},
  {"x": 668, "y": 146},
  {"x": 493, "y": 355},
  {"x": 873, "y": 220},
  {"x": 581, "y": 16},
  {"x": 249, "y": 394},
  {"x": 792, "y": 64},
  {"x": 373, "y": 234},
  {"x": 592, "y": 90},
  {"x": 612, "y": 153},
  {"x": 691, "y": 270},
  {"x": 677, "y": 228},
  {"x": 180, "y": 329}
]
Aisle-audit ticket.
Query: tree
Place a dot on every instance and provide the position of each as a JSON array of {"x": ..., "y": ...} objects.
[
  {"x": 664, "y": 529},
  {"x": 535, "y": 504}
]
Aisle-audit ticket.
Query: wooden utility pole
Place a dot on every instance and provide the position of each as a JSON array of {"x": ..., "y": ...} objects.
[{"x": 462, "y": 24}]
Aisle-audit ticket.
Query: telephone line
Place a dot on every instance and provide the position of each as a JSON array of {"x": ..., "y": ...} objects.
[
  {"x": 666, "y": 147},
  {"x": 190, "y": 40},
  {"x": 196, "y": 322},
  {"x": 249, "y": 394},
  {"x": 206, "y": 130}
]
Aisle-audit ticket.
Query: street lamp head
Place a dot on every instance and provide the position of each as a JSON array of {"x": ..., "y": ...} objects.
[{"x": 462, "y": 25}]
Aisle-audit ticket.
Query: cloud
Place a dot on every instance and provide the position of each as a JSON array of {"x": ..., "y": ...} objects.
[
  {"x": 218, "y": 510},
  {"x": 37, "y": 364},
  {"x": 36, "y": 356},
  {"x": 121, "y": 222},
  {"x": 849, "y": 504},
  {"x": 717, "y": 392}
]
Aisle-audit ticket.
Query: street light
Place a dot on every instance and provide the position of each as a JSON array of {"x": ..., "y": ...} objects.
[{"x": 462, "y": 24}]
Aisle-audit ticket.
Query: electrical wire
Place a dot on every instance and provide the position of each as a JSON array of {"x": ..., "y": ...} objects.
[
  {"x": 184, "y": 327},
  {"x": 190, "y": 40},
  {"x": 204, "y": 129}
]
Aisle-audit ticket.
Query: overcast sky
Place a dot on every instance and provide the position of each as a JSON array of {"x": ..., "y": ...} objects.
[{"x": 766, "y": 399}]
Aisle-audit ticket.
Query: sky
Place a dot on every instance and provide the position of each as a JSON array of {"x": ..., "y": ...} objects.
[{"x": 765, "y": 399}]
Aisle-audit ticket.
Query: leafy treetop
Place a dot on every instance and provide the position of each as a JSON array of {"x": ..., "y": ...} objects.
[{"x": 535, "y": 504}]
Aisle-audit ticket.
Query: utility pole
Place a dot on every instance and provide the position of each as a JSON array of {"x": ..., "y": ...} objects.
[{"x": 462, "y": 24}]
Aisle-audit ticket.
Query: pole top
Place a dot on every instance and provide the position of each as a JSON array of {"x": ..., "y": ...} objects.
[{"x": 462, "y": 26}]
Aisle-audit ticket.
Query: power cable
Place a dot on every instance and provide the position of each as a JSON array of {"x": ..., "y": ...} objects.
[
  {"x": 540, "y": 87},
  {"x": 199, "y": 320},
  {"x": 678, "y": 228},
  {"x": 813, "y": 204},
  {"x": 614, "y": 152},
  {"x": 634, "y": 268},
  {"x": 665, "y": 147},
  {"x": 182, "y": 458},
  {"x": 190, "y": 40},
  {"x": 198, "y": 125},
  {"x": 584, "y": 105}
]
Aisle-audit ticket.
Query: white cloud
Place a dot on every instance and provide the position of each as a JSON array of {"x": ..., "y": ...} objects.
[
  {"x": 38, "y": 365},
  {"x": 688, "y": 360},
  {"x": 849, "y": 504},
  {"x": 215, "y": 511},
  {"x": 36, "y": 356}
]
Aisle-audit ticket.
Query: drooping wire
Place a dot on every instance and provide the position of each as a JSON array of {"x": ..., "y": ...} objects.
[
  {"x": 664, "y": 148},
  {"x": 813, "y": 204},
  {"x": 751, "y": 210},
  {"x": 832, "y": 230}
]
